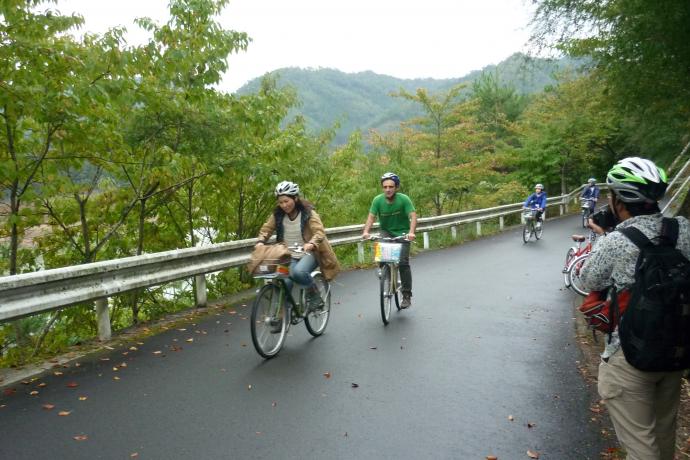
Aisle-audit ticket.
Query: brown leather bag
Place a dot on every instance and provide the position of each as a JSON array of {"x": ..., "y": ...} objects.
[{"x": 266, "y": 257}]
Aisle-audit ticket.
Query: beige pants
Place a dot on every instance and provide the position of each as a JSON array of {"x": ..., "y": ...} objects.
[{"x": 643, "y": 407}]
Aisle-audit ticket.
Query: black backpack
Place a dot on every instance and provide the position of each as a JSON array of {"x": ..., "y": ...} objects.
[{"x": 655, "y": 329}]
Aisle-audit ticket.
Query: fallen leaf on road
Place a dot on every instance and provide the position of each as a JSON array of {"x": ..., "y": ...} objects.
[
  {"x": 48, "y": 406},
  {"x": 83, "y": 398},
  {"x": 34, "y": 393},
  {"x": 134, "y": 455},
  {"x": 327, "y": 375},
  {"x": 511, "y": 418},
  {"x": 274, "y": 404},
  {"x": 81, "y": 437},
  {"x": 355, "y": 385},
  {"x": 116, "y": 378},
  {"x": 57, "y": 373},
  {"x": 133, "y": 348},
  {"x": 64, "y": 413},
  {"x": 42, "y": 385},
  {"x": 190, "y": 340},
  {"x": 105, "y": 359},
  {"x": 531, "y": 425},
  {"x": 491, "y": 457},
  {"x": 72, "y": 385},
  {"x": 531, "y": 454},
  {"x": 372, "y": 348},
  {"x": 109, "y": 348},
  {"x": 9, "y": 391},
  {"x": 249, "y": 387},
  {"x": 157, "y": 352},
  {"x": 25, "y": 382}
]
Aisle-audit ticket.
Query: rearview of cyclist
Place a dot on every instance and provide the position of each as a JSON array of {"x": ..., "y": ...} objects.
[
  {"x": 537, "y": 201},
  {"x": 397, "y": 217}
]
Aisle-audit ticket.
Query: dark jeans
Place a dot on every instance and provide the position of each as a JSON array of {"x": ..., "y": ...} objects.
[{"x": 404, "y": 264}]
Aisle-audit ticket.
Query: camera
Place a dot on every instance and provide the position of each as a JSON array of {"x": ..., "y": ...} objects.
[{"x": 604, "y": 218}]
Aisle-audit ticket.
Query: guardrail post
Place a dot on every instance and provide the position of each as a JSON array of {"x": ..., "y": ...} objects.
[
  {"x": 479, "y": 228},
  {"x": 454, "y": 232},
  {"x": 426, "y": 240},
  {"x": 360, "y": 252},
  {"x": 561, "y": 208},
  {"x": 501, "y": 222},
  {"x": 200, "y": 282},
  {"x": 103, "y": 319}
]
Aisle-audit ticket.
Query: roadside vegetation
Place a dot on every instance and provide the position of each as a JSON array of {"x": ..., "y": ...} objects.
[{"x": 109, "y": 150}]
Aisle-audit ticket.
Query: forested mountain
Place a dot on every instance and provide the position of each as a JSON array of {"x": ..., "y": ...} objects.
[{"x": 363, "y": 100}]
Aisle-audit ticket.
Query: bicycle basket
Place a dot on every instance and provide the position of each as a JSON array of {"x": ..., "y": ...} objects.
[
  {"x": 529, "y": 214},
  {"x": 387, "y": 252},
  {"x": 272, "y": 266}
]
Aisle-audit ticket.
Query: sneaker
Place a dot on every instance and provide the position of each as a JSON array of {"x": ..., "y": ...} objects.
[
  {"x": 406, "y": 302},
  {"x": 314, "y": 300}
]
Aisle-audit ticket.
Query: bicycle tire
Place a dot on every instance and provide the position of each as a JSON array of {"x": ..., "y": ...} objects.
[
  {"x": 398, "y": 287},
  {"x": 526, "y": 232},
  {"x": 539, "y": 231},
  {"x": 269, "y": 321},
  {"x": 385, "y": 295},
  {"x": 574, "y": 274},
  {"x": 569, "y": 256},
  {"x": 585, "y": 218},
  {"x": 317, "y": 320}
]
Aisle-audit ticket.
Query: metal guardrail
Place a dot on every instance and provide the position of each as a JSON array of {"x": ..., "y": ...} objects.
[{"x": 32, "y": 293}]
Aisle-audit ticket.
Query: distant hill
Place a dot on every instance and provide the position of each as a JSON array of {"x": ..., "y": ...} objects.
[{"x": 362, "y": 100}]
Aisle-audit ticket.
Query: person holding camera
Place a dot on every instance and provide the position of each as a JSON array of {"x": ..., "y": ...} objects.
[{"x": 642, "y": 405}]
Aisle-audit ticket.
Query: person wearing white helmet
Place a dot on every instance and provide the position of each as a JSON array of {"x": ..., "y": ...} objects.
[
  {"x": 397, "y": 217},
  {"x": 591, "y": 194},
  {"x": 537, "y": 200},
  {"x": 642, "y": 405},
  {"x": 295, "y": 222}
]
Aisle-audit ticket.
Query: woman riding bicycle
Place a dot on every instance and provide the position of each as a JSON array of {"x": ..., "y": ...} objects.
[
  {"x": 296, "y": 223},
  {"x": 537, "y": 200}
]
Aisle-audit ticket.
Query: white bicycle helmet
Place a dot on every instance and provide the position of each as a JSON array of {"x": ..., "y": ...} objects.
[
  {"x": 637, "y": 180},
  {"x": 541, "y": 186},
  {"x": 591, "y": 180},
  {"x": 287, "y": 188},
  {"x": 391, "y": 176}
]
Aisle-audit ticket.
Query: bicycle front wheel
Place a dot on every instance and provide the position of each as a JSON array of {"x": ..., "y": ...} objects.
[
  {"x": 574, "y": 274},
  {"x": 385, "y": 293},
  {"x": 570, "y": 255},
  {"x": 397, "y": 287},
  {"x": 316, "y": 320},
  {"x": 585, "y": 218},
  {"x": 269, "y": 321},
  {"x": 526, "y": 232}
]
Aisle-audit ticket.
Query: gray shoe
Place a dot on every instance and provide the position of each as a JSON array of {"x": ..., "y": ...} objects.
[
  {"x": 314, "y": 300},
  {"x": 406, "y": 302}
]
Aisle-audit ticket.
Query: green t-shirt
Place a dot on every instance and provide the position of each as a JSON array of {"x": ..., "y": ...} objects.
[{"x": 393, "y": 217}]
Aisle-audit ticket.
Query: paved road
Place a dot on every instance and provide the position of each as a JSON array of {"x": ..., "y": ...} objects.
[{"x": 490, "y": 336}]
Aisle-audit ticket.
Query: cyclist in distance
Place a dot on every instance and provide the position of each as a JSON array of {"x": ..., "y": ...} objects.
[
  {"x": 295, "y": 222},
  {"x": 591, "y": 192},
  {"x": 397, "y": 217},
  {"x": 537, "y": 201}
]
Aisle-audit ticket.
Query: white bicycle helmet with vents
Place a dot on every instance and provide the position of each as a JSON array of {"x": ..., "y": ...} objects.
[
  {"x": 287, "y": 188},
  {"x": 539, "y": 186},
  {"x": 391, "y": 176},
  {"x": 592, "y": 180},
  {"x": 637, "y": 180}
]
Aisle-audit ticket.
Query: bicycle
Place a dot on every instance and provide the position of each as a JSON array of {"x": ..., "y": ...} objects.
[
  {"x": 532, "y": 226},
  {"x": 274, "y": 308},
  {"x": 574, "y": 260},
  {"x": 587, "y": 207},
  {"x": 387, "y": 253}
]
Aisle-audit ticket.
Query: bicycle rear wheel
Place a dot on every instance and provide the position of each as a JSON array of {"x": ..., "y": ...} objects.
[
  {"x": 538, "y": 230},
  {"x": 385, "y": 293},
  {"x": 316, "y": 320},
  {"x": 574, "y": 274},
  {"x": 269, "y": 321}
]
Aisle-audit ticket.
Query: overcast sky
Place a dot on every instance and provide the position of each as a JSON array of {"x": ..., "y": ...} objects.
[{"x": 401, "y": 38}]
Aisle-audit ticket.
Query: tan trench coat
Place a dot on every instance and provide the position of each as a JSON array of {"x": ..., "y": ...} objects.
[{"x": 313, "y": 232}]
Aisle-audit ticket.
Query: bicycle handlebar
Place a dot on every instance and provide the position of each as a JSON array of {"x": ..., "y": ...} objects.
[{"x": 396, "y": 239}]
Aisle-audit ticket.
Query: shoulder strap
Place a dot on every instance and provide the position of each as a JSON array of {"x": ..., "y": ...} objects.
[
  {"x": 636, "y": 236},
  {"x": 669, "y": 231}
]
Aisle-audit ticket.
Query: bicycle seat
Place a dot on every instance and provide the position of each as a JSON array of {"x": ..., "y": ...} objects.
[{"x": 578, "y": 238}]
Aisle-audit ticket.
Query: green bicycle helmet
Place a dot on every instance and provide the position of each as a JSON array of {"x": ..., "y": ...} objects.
[{"x": 637, "y": 180}]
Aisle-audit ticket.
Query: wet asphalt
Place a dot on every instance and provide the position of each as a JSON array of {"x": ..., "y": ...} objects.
[{"x": 484, "y": 363}]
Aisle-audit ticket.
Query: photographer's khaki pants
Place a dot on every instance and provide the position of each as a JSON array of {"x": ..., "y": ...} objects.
[{"x": 643, "y": 407}]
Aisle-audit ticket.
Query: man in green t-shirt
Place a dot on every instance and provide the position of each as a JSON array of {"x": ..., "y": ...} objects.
[{"x": 397, "y": 217}]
